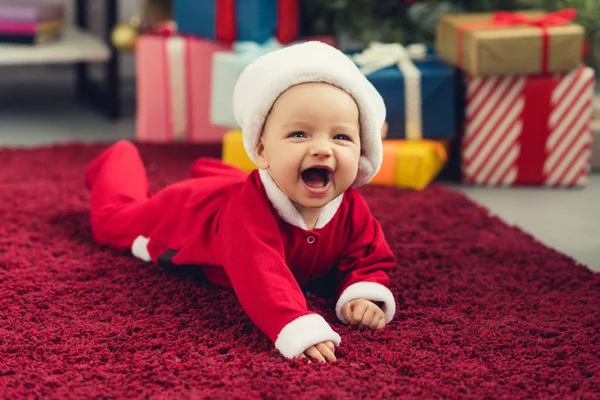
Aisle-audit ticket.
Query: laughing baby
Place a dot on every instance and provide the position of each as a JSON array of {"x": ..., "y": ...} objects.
[{"x": 311, "y": 122}]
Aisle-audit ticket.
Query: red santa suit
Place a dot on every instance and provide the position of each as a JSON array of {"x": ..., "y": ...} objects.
[{"x": 246, "y": 235}]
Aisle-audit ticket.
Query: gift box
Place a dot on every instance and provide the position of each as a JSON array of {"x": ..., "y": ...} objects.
[
  {"x": 417, "y": 88},
  {"x": 410, "y": 164},
  {"x": 234, "y": 153},
  {"x": 227, "y": 67},
  {"x": 173, "y": 87},
  {"x": 506, "y": 43},
  {"x": 528, "y": 130},
  {"x": 242, "y": 20}
]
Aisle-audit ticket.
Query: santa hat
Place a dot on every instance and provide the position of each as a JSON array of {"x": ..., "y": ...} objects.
[{"x": 261, "y": 83}]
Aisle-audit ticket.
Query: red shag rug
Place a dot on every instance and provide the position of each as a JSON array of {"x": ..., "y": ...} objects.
[{"x": 484, "y": 310}]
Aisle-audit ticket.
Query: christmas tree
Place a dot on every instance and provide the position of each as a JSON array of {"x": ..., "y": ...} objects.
[{"x": 403, "y": 21}]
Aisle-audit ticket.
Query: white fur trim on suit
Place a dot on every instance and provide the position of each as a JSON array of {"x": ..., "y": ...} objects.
[
  {"x": 285, "y": 208},
  {"x": 304, "y": 332},
  {"x": 369, "y": 291},
  {"x": 139, "y": 248},
  {"x": 263, "y": 81}
]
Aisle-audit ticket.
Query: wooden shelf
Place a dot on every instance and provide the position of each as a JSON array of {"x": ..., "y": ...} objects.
[{"x": 74, "y": 45}]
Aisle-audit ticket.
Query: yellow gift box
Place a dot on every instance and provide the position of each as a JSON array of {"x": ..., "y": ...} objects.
[
  {"x": 419, "y": 161},
  {"x": 410, "y": 164},
  {"x": 233, "y": 151}
]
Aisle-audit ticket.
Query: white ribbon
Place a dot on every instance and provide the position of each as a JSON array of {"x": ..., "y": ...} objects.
[
  {"x": 177, "y": 86},
  {"x": 382, "y": 55}
]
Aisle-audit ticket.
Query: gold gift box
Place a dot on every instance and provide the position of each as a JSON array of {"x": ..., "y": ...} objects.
[
  {"x": 234, "y": 153},
  {"x": 508, "y": 49}
]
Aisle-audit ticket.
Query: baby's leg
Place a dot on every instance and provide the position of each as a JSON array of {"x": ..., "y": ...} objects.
[
  {"x": 213, "y": 167},
  {"x": 120, "y": 206}
]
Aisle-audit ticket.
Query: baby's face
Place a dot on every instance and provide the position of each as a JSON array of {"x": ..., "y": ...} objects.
[{"x": 311, "y": 143}]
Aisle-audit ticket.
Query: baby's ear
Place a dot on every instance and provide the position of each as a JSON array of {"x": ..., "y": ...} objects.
[{"x": 261, "y": 158}]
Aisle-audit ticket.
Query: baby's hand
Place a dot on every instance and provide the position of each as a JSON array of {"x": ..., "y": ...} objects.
[
  {"x": 321, "y": 352},
  {"x": 363, "y": 313}
]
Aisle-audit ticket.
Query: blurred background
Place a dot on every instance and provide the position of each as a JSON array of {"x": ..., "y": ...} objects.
[{"x": 92, "y": 70}]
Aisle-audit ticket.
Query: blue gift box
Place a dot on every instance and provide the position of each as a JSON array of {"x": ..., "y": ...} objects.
[
  {"x": 437, "y": 98},
  {"x": 254, "y": 20}
]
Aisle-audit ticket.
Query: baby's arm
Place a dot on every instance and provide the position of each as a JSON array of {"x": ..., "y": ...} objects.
[
  {"x": 253, "y": 257},
  {"x": 363, "y": 280}
]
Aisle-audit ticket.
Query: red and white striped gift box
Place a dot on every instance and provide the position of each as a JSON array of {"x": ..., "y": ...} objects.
[{"x": 528, "y": 130}]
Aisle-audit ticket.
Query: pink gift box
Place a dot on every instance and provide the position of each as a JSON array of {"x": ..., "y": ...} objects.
[{"x": 173, "y": 89}]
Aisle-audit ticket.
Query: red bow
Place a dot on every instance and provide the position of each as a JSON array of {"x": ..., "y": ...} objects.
[{"x": 557, "y": 18}]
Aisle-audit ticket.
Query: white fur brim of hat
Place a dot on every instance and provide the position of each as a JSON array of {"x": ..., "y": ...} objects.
[{"x": 267, "y": 77}]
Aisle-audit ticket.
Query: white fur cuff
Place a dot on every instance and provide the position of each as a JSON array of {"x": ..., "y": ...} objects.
[
  {"x": 369, "y": 291},
  {"x": 304, "y": 332}
]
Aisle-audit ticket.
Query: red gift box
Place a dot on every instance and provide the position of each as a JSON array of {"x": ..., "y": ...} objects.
[
  {"x": 173, "y": 84},
  {"x": 528, "y": 130}
]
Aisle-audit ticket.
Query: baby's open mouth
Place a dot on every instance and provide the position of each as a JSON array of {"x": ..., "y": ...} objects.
[{"x": 316, "y": 177}]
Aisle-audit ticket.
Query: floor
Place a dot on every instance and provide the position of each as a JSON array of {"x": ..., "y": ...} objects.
[{"x": 567, "y": 220}]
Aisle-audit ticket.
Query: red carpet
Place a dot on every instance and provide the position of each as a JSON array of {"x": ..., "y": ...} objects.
[{"x": 484, "y": 311}]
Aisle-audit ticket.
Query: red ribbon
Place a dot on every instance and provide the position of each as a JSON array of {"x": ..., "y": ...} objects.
[
  {"x": 287, "y": 21},
  {"x": 225, "y": 23},
  {"x": 510, "y": 19},
  {"x": 537, "y": 94}
]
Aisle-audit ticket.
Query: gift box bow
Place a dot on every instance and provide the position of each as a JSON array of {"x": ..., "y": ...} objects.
[
  {"x": 383, "y": 55},
  {"x": 378, "y": 56},
  {"x": 557, "y": 18}
]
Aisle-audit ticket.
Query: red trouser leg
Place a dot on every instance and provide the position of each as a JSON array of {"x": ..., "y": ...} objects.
[{"x": 120, "y": 206}]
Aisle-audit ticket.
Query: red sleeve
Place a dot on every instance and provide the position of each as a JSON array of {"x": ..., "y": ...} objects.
[
  {"x": 367, "y": 259},
  {"x": 254, "y": 260}
]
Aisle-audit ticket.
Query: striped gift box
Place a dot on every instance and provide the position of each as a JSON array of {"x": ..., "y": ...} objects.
[{"x": 528, "y": 130}]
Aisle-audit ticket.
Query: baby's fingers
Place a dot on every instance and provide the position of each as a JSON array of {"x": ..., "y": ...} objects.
[
  {"x": 326, "y": 352},
  {"x": 347, "y": 311},
  {"x": 370, "y": 318},
  {"x": 358, "y": 313},
  {"x": 315, "y": 354},
  {"x": 375, "y": 320},
  {"x": 331, "y": 346}
]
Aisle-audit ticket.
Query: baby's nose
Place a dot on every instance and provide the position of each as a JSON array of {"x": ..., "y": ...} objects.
[
  {"x": 321, "y": 148},
  {"x": 321, "y": 151}
]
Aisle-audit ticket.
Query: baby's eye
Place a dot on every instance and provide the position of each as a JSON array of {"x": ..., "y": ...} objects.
[
  {"x": 298, "y": 134},
  {"x": 341, "y": 137}
]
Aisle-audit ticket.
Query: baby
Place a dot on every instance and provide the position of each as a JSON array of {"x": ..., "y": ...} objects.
[{"x": 312, "y": 124}]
